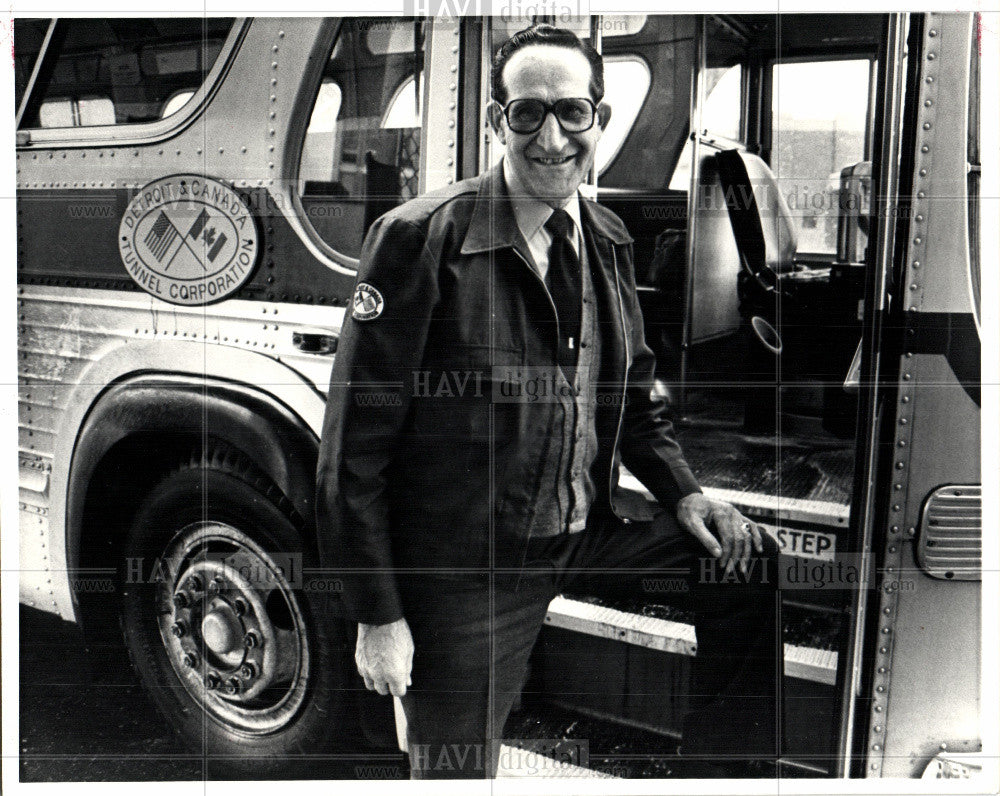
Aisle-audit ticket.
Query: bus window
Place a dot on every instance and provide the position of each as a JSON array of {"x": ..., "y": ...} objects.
[
  {"x": 361, "y": 152},
  {"x": 819, "y": 112},
  {"x": 28, "y": 37},
  {"x": 119, "y": 71}
]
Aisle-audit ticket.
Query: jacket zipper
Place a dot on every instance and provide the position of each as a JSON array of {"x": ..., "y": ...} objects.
[{"x": 621, "y": 410}]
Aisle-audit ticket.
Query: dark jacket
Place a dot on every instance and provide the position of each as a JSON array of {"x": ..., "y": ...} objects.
[{"x": 427, "y": 459}]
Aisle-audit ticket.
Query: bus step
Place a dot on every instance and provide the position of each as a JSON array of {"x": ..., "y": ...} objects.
[{"x": 805, "y": 663}]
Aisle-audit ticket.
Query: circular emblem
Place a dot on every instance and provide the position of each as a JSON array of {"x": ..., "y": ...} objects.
[
  {"x": 188, "y": 239},
  {"x": 368, "y": 302}
]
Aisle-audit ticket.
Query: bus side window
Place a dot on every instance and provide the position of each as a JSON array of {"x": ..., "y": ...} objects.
[
  {"x": 361, "y": 152},
  {"x": 818, "y": 127},
  {"x": 116, "y": 71}
]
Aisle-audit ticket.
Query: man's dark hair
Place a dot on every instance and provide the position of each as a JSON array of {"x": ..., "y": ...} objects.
[{"x": 553, "y": 36}]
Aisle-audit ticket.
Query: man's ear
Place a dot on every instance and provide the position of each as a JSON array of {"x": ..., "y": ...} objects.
[
  {"x": 603, "y": 115},
  {"x": 495, "y": 114}
]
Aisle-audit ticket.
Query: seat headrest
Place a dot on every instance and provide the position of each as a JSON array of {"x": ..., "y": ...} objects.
[{"x": 761, "y": 218}]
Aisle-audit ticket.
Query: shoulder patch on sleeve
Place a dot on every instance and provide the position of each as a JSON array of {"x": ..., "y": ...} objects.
[{"x": 368, "y": 302}]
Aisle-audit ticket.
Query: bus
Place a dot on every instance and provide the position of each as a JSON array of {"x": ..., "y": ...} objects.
[{"x": 804, "y": 195}]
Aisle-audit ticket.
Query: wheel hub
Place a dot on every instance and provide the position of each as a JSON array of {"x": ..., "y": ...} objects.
[
  {"x": 232, "y": 628},
  {"x": 221, "y": 632}
]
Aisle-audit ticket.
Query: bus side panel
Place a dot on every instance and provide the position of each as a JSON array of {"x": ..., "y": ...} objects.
[{"x": 927, "y": 664}]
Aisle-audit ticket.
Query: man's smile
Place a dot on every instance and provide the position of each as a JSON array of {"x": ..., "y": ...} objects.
[{"x": 553, "y": 161}]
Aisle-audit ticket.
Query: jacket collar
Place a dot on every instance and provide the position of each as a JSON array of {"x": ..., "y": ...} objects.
[{"x": 494, "y": 226}]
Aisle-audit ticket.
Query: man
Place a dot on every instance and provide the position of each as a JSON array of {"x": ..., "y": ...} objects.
[{"x": 491, "y": 377}]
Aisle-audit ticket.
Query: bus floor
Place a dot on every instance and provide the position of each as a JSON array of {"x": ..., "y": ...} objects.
[{"x": 799, "y": 460}]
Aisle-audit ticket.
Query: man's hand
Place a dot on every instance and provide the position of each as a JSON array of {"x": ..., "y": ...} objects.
[
  {"x": 385, "y": 657},
  {"x": 734, "y": 534}
]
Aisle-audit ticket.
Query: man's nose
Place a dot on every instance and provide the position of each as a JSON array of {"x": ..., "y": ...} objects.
[{"x": 551, "y": 136}]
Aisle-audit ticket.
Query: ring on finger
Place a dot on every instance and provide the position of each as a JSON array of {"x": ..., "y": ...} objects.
[{"x": 745, "y": 526}]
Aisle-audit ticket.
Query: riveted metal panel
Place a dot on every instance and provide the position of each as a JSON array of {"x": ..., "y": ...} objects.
[
  {"x": 438, "y": 153},
  {"x": 927, "y": 663}
]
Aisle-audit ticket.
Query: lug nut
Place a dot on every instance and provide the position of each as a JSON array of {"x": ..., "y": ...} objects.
[
  {"x": 239, "y": 606},
  {"x": 233, "y": 686},
  {"x": 178, "y": 629},
  {"x": 248, "y": 671},
  {"x": 212, "y": 681},
  {"x": 190, "y": 660},
  {"x": 250, "y": 640},
  {"x": 181, "y": 600},
  {"x": 215, "y": 586},
  {"x": 193, "y": 583}
]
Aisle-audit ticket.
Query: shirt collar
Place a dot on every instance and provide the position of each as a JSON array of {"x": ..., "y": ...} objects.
[{"x": 531, "y": 213}]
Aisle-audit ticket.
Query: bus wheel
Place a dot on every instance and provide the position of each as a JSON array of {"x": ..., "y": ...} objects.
[{"x": 248, "y": 666}]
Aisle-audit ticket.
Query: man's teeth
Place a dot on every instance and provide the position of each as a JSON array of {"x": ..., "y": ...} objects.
[{"x": 554, "y": 161}]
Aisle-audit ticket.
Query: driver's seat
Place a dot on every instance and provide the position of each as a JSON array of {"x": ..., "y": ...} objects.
[{"x": 760, "y": 216}]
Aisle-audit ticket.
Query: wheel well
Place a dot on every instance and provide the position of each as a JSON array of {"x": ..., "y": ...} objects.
[{"x": 113, "y": 468}]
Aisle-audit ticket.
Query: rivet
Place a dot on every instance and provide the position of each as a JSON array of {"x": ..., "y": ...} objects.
[
  {"x": 272, "y": 114},
  {"x": 243, "y": 149},
  {"x": 451, "y": 162},
  {"x": 877, "y": 728},
  {"x": 886, "y": 630},
  {"x": 884, "y": 651},
  {"x": 274, "y": 98},
  {"x": 198, "y": 151},
  {"x": 944, "y": 746},
  {"x": 274, "y": 81},
  {"x": 930, "y": 78},
  {"x": 887, "y": 610},
  {"x": 925, "y": 148},
  {"x": 916, "y": 263},
  {"x": 931, "y": 56},
  {"x": 895, "y": 507},
  {"x": 911, "y": 531},
  {"x": 274, "y": 49},
  {"x": 450, "y": 181},
  {"x": 919, "y": 219},
  {"x": 274, "y": 64},
  {"x": 451, "y": 105},
  {"x": 928, "y": 103},
  {"x": 281, "y": 34},
  {"x": 894, "y": 528},
  {"x": 917, "y": 241},
  {"x": 923, "y": 172},
  {"x": 898, "y": 487},
  {"x": 159, "y": 152},
  {"x": 927, "y": 125},
  {"x": 874, "y": 766},
  {"x": 905, "y": 399},
  {"x": 914, "y": 286},
  {"x": 900, "y": 465},
  {"x": 454, "y": 49},
  {"x": 452, "y": 87},
  {"x": 903, "y": 421},
  {"x": 906, "y": 377},
  {"x": 270, "y": 165},
  {"x": 932, "y": 33},
  {"x": 178, "y": 151}
]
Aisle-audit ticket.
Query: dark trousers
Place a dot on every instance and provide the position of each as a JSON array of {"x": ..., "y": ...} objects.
[{"x": 473, "y": 634}]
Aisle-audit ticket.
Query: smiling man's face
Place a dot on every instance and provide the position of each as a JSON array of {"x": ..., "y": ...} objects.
[{"x": 549, "y": 163}]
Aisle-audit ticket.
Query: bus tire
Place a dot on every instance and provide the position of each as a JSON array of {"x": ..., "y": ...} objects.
[{"x": 248, "y": 667}]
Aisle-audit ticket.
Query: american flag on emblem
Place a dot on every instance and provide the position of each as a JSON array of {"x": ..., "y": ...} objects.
[{"x": 160, "y": 236}]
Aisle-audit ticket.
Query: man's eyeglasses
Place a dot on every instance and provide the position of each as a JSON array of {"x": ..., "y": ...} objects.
[{"x": 574, "y": 114}]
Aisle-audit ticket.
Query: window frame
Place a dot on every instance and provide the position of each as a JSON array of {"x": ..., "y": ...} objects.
[{"x": 137, "y": 132}]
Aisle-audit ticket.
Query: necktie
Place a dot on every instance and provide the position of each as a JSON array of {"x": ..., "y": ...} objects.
[{"x": 563, "y": 280}]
